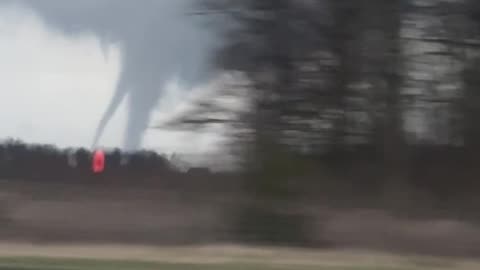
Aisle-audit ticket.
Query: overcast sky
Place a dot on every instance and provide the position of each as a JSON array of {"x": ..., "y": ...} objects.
[{"x": 54, "y": 88}]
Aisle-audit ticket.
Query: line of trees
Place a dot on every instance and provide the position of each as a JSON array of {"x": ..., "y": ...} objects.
[{"x": 45, "y": 163}]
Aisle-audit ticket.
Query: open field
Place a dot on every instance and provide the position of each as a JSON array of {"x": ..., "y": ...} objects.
[
  {"x": 58, "y": 257},
  {"x": 160, "y": 225},
  {"x": 54, "y": 213}
]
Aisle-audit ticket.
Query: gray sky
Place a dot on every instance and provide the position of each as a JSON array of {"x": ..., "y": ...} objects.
[{"x": 62, "y": 59}]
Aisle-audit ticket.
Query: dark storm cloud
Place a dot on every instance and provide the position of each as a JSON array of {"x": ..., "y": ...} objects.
[{"x": 158, "y": 41}]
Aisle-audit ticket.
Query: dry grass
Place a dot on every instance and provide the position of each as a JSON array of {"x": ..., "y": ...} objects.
[{"x": 217, "y": 257}]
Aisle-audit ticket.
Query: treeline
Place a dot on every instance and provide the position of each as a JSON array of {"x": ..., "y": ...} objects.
[{"x": 36, "y": 162}]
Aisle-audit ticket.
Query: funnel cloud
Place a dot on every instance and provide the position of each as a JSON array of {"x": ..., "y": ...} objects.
[{"x": 159, "y": 42}]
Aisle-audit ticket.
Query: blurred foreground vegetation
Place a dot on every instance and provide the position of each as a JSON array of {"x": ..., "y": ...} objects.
[{"x": 353, "y": 103}]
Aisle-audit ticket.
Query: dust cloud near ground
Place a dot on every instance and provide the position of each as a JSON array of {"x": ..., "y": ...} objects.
[{"x": 40, "y": 215}]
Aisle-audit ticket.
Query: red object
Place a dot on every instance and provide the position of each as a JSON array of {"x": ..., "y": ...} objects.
[{"x": 98, "y": 162}]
